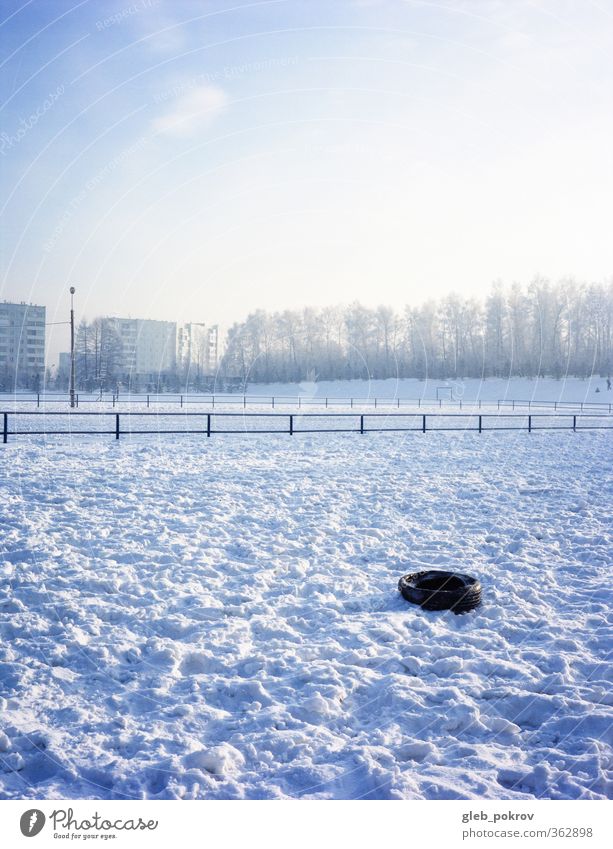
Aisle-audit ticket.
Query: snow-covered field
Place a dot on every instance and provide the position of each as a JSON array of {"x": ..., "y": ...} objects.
[
  {"x": 470, "y": 389},
  {"x": 591, "y": 392},
  {"x": 385, "y": 404},
  {"x": 220, "y": 618}
]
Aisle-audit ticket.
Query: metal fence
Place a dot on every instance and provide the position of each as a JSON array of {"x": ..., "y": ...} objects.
[
  {"x": 299, "y": 401},
  {"x": 73, "y": 423}
]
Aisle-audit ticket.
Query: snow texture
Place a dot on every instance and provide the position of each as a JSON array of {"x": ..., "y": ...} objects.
[
  {"x": 593, "y": 389},
  {"x": 192, "y": 618}
]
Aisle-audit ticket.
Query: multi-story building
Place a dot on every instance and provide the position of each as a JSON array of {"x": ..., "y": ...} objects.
[
  {"x": 63, "y": 368},
  {"x": 197, "y": 347},
  {"x": 138, "y": 352},
  {"x": 141, "y": 347},
  {"x": 213, "y": 348},
  {"x": 156, "y": 347},
  {"x": 127, "y": 331},
  {"x": 22, "y": 345}
]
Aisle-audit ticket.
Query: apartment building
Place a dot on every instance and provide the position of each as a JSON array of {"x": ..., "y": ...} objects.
[
  {"x": 213, "y": 341},
  {"x": 139, "y": 352},
  {"x": 143, "y": 347},
  {"x": 156, "y": 347},
  {"x": 22, "y": 345},
  {"x": 197, "y": 349}
]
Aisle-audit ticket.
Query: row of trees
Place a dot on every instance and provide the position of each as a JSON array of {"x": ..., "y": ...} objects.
[
  {"x": 98, "y": 354},
  {"x": 542, "y": 329}
]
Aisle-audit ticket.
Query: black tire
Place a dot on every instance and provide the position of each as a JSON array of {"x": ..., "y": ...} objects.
[{"x": 437, "y": 590}]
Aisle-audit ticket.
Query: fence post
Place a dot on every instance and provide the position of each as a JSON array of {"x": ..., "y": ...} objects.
[
  {"x": 5, "y": 437},
  {"x": 480, "y": 424},
  {"x": 38, "y": 399},
  {"x": 574, "y": 424},
  {"x": 273, "y": 402},
  {"x": 299, "y": 402},
  {"x": 116, "y": 425},
  {"x": 208, "y": 424},
  {"x": 351, "y": 399},
  {"x": 423, "y": 423},
  {"x": 398, "y": 403},
  {"x": 181, "y": 400},
  {"x": 213, "y": 402},
  {"x": 361, "y": 424},
  {"x": 291, "y": 425},
  {"x": 147, "y": 400},
  {"x": 529, "y": 424},
  {"x": 113, "y": 399},
  {"x": 244, "y": 401},
  {"x": 375, "y": 403},
  {"x": 513, "y": 402},
  {"x": 326, "y": 402}
]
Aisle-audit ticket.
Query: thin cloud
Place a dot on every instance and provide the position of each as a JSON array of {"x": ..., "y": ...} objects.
[{"x": 192, "y": 111}]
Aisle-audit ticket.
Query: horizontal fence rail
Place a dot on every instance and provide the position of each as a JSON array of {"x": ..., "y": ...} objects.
[
  {"x": 299, "y": 401},
  {"x": 78, "y": 423}
]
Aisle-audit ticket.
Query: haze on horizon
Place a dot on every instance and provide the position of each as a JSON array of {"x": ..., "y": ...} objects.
[{"x": 199, "y": 160}]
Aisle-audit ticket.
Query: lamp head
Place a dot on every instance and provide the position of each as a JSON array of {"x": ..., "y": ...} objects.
[{"x": 72, "y": 290}]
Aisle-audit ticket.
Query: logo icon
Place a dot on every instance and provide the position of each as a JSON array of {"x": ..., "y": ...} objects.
[{"x": 32, "y": 822}]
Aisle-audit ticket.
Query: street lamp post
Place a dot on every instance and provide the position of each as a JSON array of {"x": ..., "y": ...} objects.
[{"x": 72, "y": 363}]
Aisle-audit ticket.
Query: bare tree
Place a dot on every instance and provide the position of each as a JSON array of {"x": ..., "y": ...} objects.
[{"x": 544, "y": 329}]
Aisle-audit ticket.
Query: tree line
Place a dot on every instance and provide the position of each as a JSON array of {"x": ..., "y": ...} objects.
[{"x": 543, "y": 329}]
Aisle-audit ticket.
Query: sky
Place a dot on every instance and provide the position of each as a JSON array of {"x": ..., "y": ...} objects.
[{"x": 194, "y": 161}]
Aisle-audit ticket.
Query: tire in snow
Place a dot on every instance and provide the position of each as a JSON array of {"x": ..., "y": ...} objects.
[{"x": 437, "y": 590}]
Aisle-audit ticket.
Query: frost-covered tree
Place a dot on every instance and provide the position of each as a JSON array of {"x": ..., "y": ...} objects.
[{"x": 543, "y": 329}]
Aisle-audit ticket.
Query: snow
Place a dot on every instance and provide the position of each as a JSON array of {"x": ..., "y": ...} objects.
[
  {"x": 193, "y": 618},
  {"x": 385, "y": 405},
  {"x": 591, "y": 391},
  {"x": 469, "y": 389}
]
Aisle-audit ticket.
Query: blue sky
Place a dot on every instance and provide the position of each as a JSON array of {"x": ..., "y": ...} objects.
[{"x": 196, "y": 160}]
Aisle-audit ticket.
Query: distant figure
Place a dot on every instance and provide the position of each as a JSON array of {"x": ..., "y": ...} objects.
[
  {"x": 597, "y": 389},
  {"x": 608, "y": 384}
]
